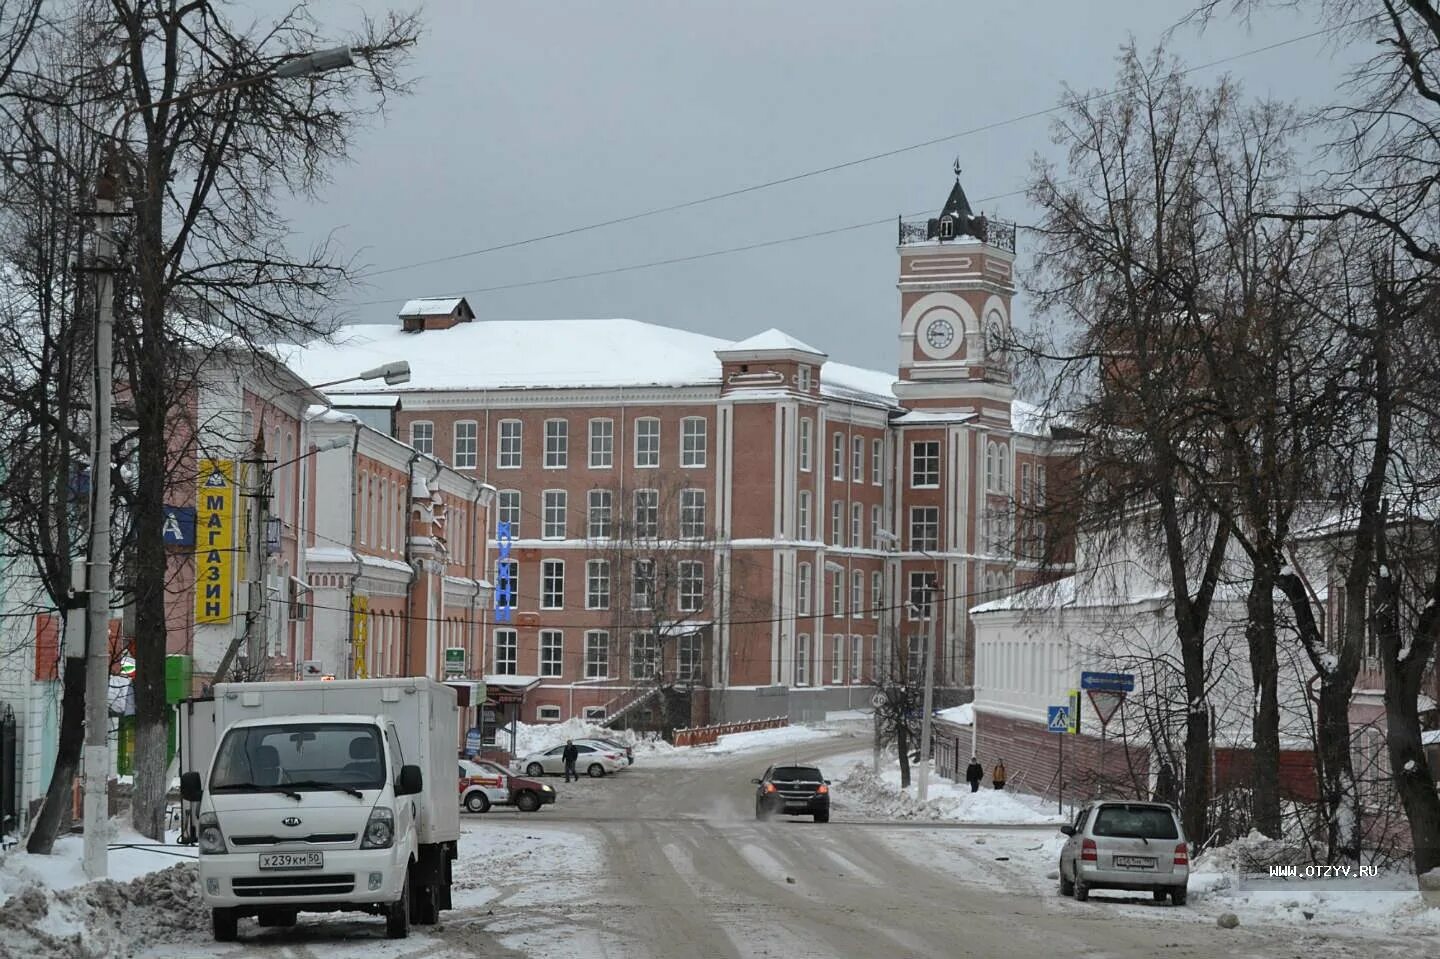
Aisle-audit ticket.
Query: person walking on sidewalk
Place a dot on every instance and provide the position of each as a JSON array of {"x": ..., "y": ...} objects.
[
  {"x": 570, "y": 754},
  {"x": 974, "y": 773},
  {"x": 998, "y": 774}
]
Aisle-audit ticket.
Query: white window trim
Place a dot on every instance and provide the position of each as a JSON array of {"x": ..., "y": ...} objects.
[
  {"x": 590, "y": 442},
  {"x": 877, "y": 462},
  {"x": 590, "y": 564},
  {"x": 547, "y": 714},
  {"x": 545, "y": 518},
  {"x": 429, "y": 423},
  {"x": 564, "y": 450},
  {"x": 560, "y": 663},
  {"x": 659, "y": 439},
  {"x": 807, "y": 442},
  {"x": 857, "y": 459},
  {"x": 474, "y": 442},
  {"x": 914, "y": 445},
  {"x": 544, "y": 586},
  {"x": 499, "y": 449},
  {"x": 704, "y": 451},
  {"x": 837, "y": 457}
]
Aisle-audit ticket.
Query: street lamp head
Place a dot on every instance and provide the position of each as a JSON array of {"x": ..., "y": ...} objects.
[
  {"x": 322, "y": 61},
  {"x": 392, "y": 373}
]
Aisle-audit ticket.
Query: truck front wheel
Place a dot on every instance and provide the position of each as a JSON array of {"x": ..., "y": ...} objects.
[
  {"x": 397, "y": 914},
  {"x": 225, "y": 924}
]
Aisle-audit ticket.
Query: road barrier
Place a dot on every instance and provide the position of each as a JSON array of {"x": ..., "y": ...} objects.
[{"x": 705, "y": 735}]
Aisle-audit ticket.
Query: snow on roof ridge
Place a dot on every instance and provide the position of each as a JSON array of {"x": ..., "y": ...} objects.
[
  {"x": 430, "y": 305},
  {"x": 774, "y": 339}
]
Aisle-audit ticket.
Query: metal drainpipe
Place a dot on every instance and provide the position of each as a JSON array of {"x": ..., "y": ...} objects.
[
  {"x": 410, "y": 586},
  {"x": 354, "y": 526},
  {"x": 470, "y": 562}
]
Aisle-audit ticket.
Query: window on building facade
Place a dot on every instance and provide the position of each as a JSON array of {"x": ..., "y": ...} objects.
[
  {"x": 689, "y": 658},
  {"x": 643, "y": 654},
  {"x": 693, "y": 441},
  {"x": 857, "y": 657},
  {"x": 555, "y": 503},
  {"x": 642, "y": 583},
  {"x": 647, "y": 442},
  {"x": 598, "y": 523},
  {"x": 997, "y": 467},
  {"x": 509, "y": 570},
  {"x": 837, "y": 523},
  {"x": 857, "y": 525},
  {"x": 552, "y": 653},
  {"x": 422, "y": 437},
  {"x": 802, "y": 660},
  {"x": 507, "y": 444},
  {"x": 925, "y": 528},
  {"x": 877, "y": 462},
  {"x": 837, "y": 456},
  {"x": 919, "y": 605},
  {"x": 876, "y": 589},
  {"x": 802, "y": 589},
  {"x": 692, "y": 514},
  {"x": 1025, "y": 486},
  {"x": 647, "y": 513},
  {"x": 804, "y": 378},
  {"x": 837, "y": 594},
  {"x": 802, "y": 531},
  {"x": 507, "y": 651},
  {"x": 597, "y": 654},
  {"x": 602, "y": 444},
  {"x": 925, "y": 464},
  {"x": 548, "y": 714},
  {"x": 857, "y": 460},
  {"x": 508, "y": 510},
  {"x": 552, "y": 584},
  {"x": 692, "y": 586},
  {"x": 837, "y": 660},
  {"x": 557, "y": 444},
  {"x": 465, "y": 445},
  {"x": 805, "y": 440},
  {"x": 875, "y": 527},
  {"x": 915, "y": 661},
  {"x": 597, "y": 584},
  {"x": 857, "y": 593},
  {"x": 1040, "y": 486}
]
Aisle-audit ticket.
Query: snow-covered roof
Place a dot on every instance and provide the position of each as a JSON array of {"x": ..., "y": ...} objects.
[
  {"x": 963, "y": 715},
  {"x": 773, "y": 339},
  {"x": 1028, "y": 418},
  {"x": 932, "y": 417},
  {"x": 431, "y": 305},
  {"x": 368, "y": 400}
]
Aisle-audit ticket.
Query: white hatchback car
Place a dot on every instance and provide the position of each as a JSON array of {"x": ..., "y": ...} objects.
[
  {"x": 1125, "y": 844},
  {"x": 594, "y": 759}
]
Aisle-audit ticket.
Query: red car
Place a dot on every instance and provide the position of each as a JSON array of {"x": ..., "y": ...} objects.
[{"x": 485, "y": 784}]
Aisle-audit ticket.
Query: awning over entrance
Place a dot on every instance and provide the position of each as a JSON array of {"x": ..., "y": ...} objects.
[
  {"x": 503, "y": 689},
  {"x": 468, "y": 692}
]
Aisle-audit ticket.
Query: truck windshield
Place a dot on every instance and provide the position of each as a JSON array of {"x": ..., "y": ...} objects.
[{"x": 295, "y": 757}]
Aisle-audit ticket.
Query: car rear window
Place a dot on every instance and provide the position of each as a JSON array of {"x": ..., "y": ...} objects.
[
  {"x": 791, "y": 774},
  {"x": 1147, "y": 822}
]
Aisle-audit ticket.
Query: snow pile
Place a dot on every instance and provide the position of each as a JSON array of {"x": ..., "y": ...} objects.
[
  {"x": 963, "y": 715},
  {"x": 780, "y": 736},
  {"x": 862, "y": 792},
  {"x": 102, "y": 919}
]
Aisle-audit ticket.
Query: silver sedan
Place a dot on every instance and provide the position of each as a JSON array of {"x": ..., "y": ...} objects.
[{"x": 593, "y": 759}]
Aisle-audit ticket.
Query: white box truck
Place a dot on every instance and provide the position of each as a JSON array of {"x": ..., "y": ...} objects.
[{"x": 321, "y": 797}]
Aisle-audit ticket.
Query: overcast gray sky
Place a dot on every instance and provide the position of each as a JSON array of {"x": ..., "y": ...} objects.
[{"x": 530, "y": 118}]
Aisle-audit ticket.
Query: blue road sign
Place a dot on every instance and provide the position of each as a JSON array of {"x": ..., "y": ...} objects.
[
  {"x": 178, "y": 528},
  {"x": 1057, "y": 719},
  {"x": 1108, "y": 682}
]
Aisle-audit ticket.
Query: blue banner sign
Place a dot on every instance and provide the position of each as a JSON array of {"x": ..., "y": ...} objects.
[
  {"x": 1108, "y": 682},
  {"x": 504, "y": 585}
]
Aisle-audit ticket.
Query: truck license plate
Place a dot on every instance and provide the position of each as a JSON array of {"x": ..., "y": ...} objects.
[
  {"x": 292, "y": 860},
  {"x": 1134, "y": 862}
]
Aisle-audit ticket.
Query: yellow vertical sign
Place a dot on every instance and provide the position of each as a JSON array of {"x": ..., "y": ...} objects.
[
  {"x": 215, "y": 541},
  {"x": 360, "y": 612}
]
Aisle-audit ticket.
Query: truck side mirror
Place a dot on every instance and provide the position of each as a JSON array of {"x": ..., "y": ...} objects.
[
  {"x": 410, "y": 782},
  {"x": 190, "y": 790}
]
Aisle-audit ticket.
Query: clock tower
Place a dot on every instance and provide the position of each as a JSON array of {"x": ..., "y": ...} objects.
[{"x": 956, "y": 285}]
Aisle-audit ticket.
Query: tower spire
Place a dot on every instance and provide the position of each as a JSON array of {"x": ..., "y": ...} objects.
[{"x": 958, "y": 171}]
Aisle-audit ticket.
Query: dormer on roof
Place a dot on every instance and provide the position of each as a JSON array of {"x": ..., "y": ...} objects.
[
  {"x": 773, "y": 359},
  {"x": 435, "y": 313}
]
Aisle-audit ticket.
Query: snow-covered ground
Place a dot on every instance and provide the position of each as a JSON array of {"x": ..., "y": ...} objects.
[{"x": 859, "y": 792}]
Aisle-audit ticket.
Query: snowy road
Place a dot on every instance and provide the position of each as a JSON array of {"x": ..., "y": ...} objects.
[{"x": 665, "y": 860}]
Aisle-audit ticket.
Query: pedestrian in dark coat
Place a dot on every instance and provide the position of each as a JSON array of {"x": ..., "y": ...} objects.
[
  {"x": 570, "y": 754},
  {"x": 974, "y": 773}
]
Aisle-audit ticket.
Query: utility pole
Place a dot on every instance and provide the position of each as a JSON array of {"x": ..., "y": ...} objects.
[
  {"x": 922, "y": 788},
  {"x": 258, "y": 620},
  {"x": 95, "y": 769}
]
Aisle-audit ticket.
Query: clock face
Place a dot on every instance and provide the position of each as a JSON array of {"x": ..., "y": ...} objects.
[
  {"x": 940, "y": 334},
  {"x": 995, "y": 334}
]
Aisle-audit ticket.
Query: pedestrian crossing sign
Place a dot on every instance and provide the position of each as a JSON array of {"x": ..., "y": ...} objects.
[{"x": 1057, "y": 719}]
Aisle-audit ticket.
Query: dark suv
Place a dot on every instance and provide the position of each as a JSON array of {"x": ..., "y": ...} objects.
[{"x": 794, "y": 791}]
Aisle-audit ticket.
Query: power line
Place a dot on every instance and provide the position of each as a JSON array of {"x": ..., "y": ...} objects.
[{"x": 818, "y": 171}]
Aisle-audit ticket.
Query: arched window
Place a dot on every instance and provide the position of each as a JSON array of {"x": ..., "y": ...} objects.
[{"x": 1002, "y": 467}]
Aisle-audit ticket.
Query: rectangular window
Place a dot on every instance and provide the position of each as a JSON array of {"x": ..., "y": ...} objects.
[
  {"x": 877, "y": 583},
  {"x": 557, "y": 444},
  {"x": 692, "y": 514},
  {"x": 925, "y": 465},
  {"x": 507, "y": 450},
  {"x": 692, "y": 586},
  {"x": 877, "y": 459},
  {"x": 925, "y": 528},
  {"x": 875, "y": 527},
  {"x": 647, "y": 442},
  {"x": 857, "y": 525},
  {"x": 1040, "y": 486},
  {"x": 509, "y": 511},
  {"x": 857, "y": 593},
  {"x": 857, "y": 656},
  {"x": 507, "y": 650},
  {"x": 597, "y": 584},
  {"x": 837, "y": 523},
  {"x": 597, "y": 654},
  {"x": 552, "y": 653},
  {"x": 552, "y": 584},
  {"x": 857, "y": 460},
  {"x": 837, "y": 594},
  {"x": 693, "y": 445},
  {"x": 602, "y": 444},
  {"x": 554, "y": 514},
  {"x": 805, "y": 445},
  {"x": 804, "y": 377},
  {"x": 837, "y": 660},
  {"x": 593, "y": 714},
  {"x": 919, "y": 606},
  {"x": 465, "y": 445},
  {"x": 643, "y": 653},
  {"x": 803, "y": 532},
  {"x": 1025, "y": 481},
  {"x": 599, "y": 522},
  {"x": 422, "y": 437},
  {"x": 647, "y": 513},
  {"x": 837, "y": 457},
  {"x": 689, "y": 658},
  {"x": 802, "y": 660},
  {"x": 802, "y": 589},
  {"x": 548, "y": 714},
  {"x": 509, "y": 571},
  {"x": 642, "y": 582}
]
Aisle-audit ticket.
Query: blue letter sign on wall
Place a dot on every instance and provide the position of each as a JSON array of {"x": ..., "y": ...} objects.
[{"x": 504, "y": 588}]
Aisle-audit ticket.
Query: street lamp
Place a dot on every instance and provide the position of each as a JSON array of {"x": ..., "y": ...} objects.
[
  {"x": 392, "y": 373},
  {"x": 96, "y": 761}
]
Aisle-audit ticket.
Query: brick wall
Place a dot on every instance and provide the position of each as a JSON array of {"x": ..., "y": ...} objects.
[{"x": 1031, "y": 755}]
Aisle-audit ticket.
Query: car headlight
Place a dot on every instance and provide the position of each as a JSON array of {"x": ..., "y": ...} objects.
[
  {"x": 212, "y": 840},
  {"x": 548, "y": 788},
  {"x": 379, "y": 829}
]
